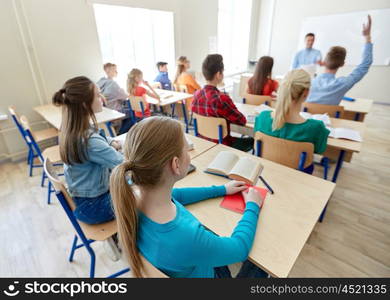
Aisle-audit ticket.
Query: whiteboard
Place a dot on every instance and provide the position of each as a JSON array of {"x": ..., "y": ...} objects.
[{"x": 346, "y": 30}]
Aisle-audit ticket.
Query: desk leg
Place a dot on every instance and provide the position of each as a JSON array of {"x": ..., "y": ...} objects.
[
  {"x": 357, "y": 116},
  {"x": 109, "y": 128},
  {"x": 173, "y": 109},
  {"x": 183, "y": 105},
  {"x": 338, "y": 165}
]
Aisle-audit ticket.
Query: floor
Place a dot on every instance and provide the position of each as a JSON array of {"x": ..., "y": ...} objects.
[{"x": 353, "y": 240}]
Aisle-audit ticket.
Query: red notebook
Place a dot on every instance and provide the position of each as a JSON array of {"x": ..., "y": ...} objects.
[{"x": 236, "y": 202}]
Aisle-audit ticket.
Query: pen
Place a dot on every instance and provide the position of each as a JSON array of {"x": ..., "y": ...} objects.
[{"x": 266, "y": 184}]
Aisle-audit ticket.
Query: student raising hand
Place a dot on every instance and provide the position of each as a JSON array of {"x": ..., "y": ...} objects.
[{"x": 367, "y": 29}]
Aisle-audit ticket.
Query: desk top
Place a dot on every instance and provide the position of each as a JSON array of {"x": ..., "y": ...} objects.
[
  {"x": 200, "y": 145},
  {"x": 286, "y": 219},
  {"x": 53, "y": 114},
  {"x": 342, "y": 144},
  {"x": 168, "y": 97},
  {"x": 360, "y": 105}
]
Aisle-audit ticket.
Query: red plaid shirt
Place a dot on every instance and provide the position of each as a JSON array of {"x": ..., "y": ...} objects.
[{"x": 210, "y": 102}]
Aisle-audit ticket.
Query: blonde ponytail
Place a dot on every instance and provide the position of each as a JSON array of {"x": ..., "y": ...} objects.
[
  {"x": 181, "y": 61},
  {"x": 125, "y": 208},
  {"x": 149, "y": 146},
  {"x": 131, "y": 80},
  {"x": 291, "y": 90}
]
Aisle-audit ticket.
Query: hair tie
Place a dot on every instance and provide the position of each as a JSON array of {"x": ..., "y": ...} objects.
[{"x": 62, "y": 91}]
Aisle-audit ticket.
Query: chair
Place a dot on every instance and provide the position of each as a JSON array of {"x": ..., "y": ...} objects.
[
  {"x": 257, "y": 99},
  {"x": 243, "y": 85},
  {"x": 149, "y": 271},
  {"x": 137, "y": 104},
  {"x": 40, "y": 135},
  {"x": 296, "y": 155},
  {"x": 334, "y": 111},
  {"x": 87, "y": 233},
  {"x": 52, "y": 152},
  {"x": 156, "y": 85},
  {"x": 210, "y": 127}
]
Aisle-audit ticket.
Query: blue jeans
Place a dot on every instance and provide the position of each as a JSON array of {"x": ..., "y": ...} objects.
[
  {"x": 248, "y": 270},
  {"x": 94, "y": 210}
]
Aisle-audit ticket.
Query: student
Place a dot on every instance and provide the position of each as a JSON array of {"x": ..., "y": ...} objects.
[
  {"x": 134, "y": 80},
  {"x": 261, "y": 82},
  {"x": 326, "y": 88},
  {"x": 210, "y": 102},
  {"x": 114, "y": 95},
  {"x": 111, "y": 90},
  {"x": 309, "y": 55},
  {"x": 154, "y": 222},
  {"x": 285, "y": 122},
  {"x": 87, "y": 154},
  {"x": 184, "y": 78},
  {"x": 162, "y": 76}
]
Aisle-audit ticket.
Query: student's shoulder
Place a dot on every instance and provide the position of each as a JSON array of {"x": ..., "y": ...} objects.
[{"x": 315, "y": 125}]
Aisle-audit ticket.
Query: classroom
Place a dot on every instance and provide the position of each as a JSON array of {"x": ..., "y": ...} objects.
[{"x": 195, "y": 139}]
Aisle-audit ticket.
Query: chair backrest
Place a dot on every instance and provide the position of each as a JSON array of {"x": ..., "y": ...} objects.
[
  {"x": 57, "y": 183},
  {"x": 243, "y": 85},
  {"x": 210, "y": 127},
  {"x": 156, "y": 85},
  {"x": 257, "y": 99},
  {"x": 137, "y": 103},
  {"x": 334, "y": 111},
  {"x": 182, "y": 88},
  {"x": 17, "y": 122},
  {"x": 30, "y": 139},
  {"x": 284, "y": 152},
  {"x": 150, "y": 271}
]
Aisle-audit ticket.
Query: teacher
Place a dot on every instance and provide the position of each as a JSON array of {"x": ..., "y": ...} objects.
[{"x": 309, "y": 55}]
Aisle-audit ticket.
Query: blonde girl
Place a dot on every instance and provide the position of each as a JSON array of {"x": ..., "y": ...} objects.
[
  {"x": 134, "y": 88},
  {"x": 152, "y": 219},
  {"x": 286, "y": 122}
]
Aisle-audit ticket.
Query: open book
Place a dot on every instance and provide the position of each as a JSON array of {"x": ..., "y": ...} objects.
[
  {"x": 251, "y": 118},
  {"x": 345, "y": 133},
  {"x": 230, "y": 165},
  {"x": 321, "y": 117}
]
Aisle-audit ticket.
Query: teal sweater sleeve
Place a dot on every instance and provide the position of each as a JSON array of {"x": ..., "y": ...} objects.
[
  {"x": 194, "y": 194},
  {"x": 215, "y": 251}
]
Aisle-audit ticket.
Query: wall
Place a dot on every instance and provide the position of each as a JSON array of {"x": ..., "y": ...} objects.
[
  {"x": 285, "y": 29},
  {"x": 49, "y": 41}
]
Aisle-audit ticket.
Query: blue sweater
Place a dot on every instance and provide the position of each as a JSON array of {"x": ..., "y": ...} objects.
[{"x": 183, "y": 247}]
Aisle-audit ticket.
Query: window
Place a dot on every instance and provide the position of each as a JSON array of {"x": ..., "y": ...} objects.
[
  {"x": 135, "y": 38},
  {"x": 234, "y": 24}
]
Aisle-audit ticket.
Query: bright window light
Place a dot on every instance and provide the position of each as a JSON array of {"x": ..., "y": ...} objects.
[
  {"x": 135, "y": 38},
  {"x": 234, "y": 20}
]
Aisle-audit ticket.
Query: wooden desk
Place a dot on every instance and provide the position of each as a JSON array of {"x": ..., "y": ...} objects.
[
  {"x": 356, "y": 110},
  {"x": 286, "y": 219},
  {"x": 200, "y": 145},
  {"x": 341, "y": 146},
  {"x": 53, "y": 115},
  {"x": 171, "y": 98}
]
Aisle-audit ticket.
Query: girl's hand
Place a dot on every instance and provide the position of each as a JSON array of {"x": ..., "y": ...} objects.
[
  {"x": 233, "y": 187},
  {"x": 252, "y": 195},
  {"x": 116, "y": 145}
]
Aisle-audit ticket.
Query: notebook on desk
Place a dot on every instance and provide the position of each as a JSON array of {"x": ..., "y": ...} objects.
[
  {"x": 236, "y": 202},
  {"x": 345, "y": 133}
]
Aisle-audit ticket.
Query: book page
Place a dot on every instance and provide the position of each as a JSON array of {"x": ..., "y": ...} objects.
[
  {"x": 262, "y": 107},
  {"x": 349, "y": 134},
  {"x": 320, "y": 117},
  {"x": 246, "y": 169},
  {"x": 223, "y": 163}
]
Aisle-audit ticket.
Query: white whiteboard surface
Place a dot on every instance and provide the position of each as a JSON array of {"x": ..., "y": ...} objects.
[{"x": 346, "y": 30}]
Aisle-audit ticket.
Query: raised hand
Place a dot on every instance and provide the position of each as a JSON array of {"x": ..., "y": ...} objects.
[{"x": 367, "y": 28}]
